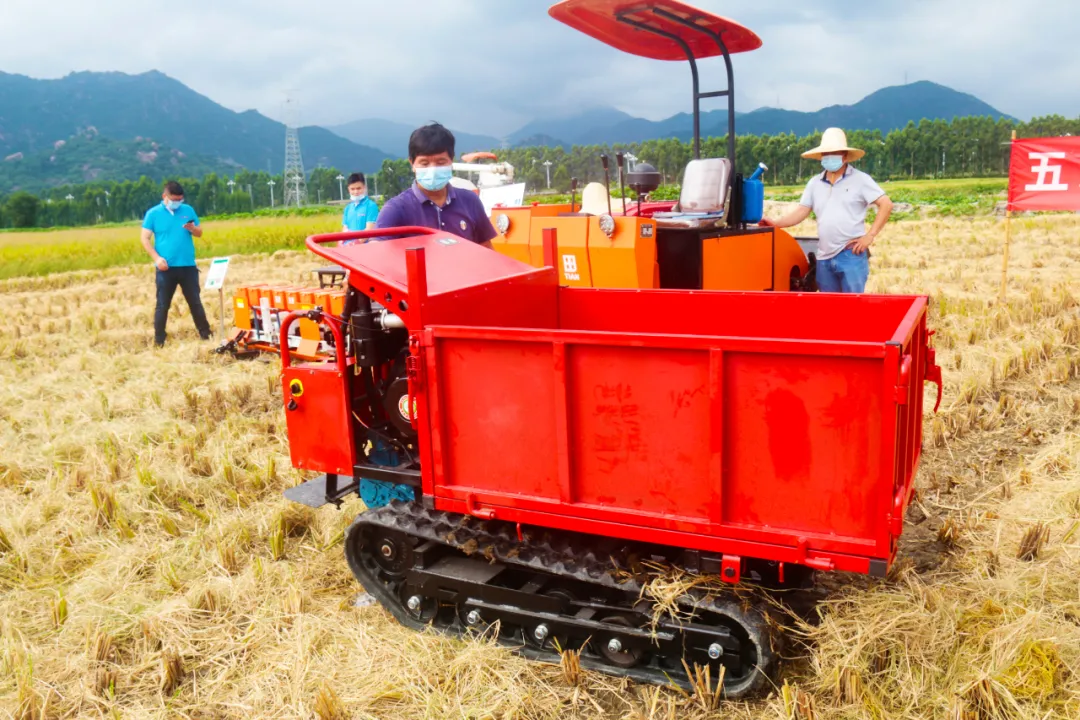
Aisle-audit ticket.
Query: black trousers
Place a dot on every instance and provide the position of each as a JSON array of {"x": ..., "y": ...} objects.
[{"x": 188, "y": 280}]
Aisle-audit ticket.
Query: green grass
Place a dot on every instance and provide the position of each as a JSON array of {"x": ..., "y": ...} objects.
[
  {"x": 664, "y": 192},
  {"x": 43, "y": 253},
  {"x": 954, "y": 197},
  {"x": 922, "y": 186}
]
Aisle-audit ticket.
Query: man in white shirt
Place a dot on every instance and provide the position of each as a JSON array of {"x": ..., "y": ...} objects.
[{"x": 839, "y": 198}]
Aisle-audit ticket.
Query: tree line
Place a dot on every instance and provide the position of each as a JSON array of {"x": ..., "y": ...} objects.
[{"x": 963, "y": 147}]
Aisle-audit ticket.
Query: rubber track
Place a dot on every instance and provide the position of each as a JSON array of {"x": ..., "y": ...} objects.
[{"x": 562, "y": 554}]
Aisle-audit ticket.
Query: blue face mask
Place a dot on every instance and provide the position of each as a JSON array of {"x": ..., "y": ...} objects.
[
  {"x": 174, "y": 204},
  {"x": 358, "y": 198},
  {"x": 434, "y": 178},
  {"x": 832, "y": 163}
]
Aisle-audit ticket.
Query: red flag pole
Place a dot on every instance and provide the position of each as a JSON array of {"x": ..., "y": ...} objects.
[{"x": 1008, "y": 237}]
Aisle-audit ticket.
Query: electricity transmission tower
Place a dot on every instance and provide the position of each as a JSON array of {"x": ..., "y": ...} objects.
[{"x": 294, "y": 180}]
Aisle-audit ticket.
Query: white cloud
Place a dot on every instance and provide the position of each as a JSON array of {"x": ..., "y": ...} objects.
[{"x": 490, "y": 65}]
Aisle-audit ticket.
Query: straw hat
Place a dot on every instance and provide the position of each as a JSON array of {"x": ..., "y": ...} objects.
[
  {"x": 834, "y": 140},
  {"x": 594, "y": 200}
]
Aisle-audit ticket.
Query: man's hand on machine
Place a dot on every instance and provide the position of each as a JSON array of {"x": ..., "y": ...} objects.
[{"x": 765, "y": 222}]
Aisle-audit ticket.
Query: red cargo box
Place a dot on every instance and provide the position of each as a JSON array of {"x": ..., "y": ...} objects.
[{"x": 782, "y": 426}]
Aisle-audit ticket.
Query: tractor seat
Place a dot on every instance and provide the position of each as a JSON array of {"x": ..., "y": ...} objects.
[{"x": 704, "y": 193}]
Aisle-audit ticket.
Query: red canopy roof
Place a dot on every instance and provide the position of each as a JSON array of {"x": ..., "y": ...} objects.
[{"x": 600, "y": 19}]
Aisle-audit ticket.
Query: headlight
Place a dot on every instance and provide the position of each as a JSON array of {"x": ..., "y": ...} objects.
[
  {"x": 607, "y": 225},
  {"x": 502, "y": 223}
]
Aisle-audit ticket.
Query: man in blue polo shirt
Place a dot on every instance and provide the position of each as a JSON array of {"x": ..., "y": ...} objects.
[
  {"x": 167, "y": 232},
  {"x": 431, "y": 201},
  {"x": 361, "y": 212}
]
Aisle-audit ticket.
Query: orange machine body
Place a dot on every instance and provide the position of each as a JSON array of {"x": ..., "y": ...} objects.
[
  {"x": 747, "y": 259},
  {"x": 518, "y": 240},
  {"x": 242, "y": 309},
  {"x": 754, "y": 259},
  {"x": 249, "y": 333}
]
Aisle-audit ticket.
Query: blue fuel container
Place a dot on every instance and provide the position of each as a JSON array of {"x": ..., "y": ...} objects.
[{"x": 754, "y": 196}]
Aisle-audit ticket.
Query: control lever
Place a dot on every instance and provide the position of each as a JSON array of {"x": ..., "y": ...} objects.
[
  {"x": 621, "y": 159},
  {"x": 607, "y": 180},
  {"x": 573, "y": 194}
]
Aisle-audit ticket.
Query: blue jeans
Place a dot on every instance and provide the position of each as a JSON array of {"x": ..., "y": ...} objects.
[
  {"x": 188, "y": 280},
  {"x": 844, "y": 273}
]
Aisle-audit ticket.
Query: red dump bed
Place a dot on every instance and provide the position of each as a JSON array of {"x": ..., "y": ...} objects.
[{"x": 781, "y": 426}]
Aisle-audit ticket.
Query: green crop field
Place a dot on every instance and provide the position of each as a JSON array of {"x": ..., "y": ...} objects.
[{"x": 44, "y": 252}]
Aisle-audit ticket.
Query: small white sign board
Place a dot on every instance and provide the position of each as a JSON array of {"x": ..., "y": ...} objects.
[
  {"x": 505, "y": 195},
  {"x": 215, "y": 279}
]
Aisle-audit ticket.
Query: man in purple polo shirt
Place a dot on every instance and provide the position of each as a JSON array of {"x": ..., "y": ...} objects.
[{"x": 431, "y": 201}]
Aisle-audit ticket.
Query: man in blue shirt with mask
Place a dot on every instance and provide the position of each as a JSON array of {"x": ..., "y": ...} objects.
[
  {"x": 361, "y": 212},
  {"x": 432, "y": 202},
  {"x": 167, "y": 233}
]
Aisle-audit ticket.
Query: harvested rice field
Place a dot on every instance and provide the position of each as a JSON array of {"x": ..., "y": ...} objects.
[{"x": 149, "y": 567}]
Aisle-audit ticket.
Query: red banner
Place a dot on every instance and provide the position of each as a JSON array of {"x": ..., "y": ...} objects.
[{"x": 1044, "y": 174}]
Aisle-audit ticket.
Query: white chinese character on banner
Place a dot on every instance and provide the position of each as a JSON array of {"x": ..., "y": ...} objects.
[{"x": 1045, "y": 169}]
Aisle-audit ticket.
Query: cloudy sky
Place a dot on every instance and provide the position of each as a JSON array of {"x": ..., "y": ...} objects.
[{"x": 492, "y": 65}]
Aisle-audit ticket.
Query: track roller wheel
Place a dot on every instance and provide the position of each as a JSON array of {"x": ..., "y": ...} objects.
[
  {"x": 472, "y": 619},
  {"x": 611, "y": 645},
  {"x": 392, "y": 552},
  {"x": 748, "y": 670},
  {"x": 541, "y": 636},
  {"x": 422, "y": 609},
  {"x": 387, "y": 551}
]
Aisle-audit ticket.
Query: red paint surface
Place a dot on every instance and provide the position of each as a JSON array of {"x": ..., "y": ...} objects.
[
  {"x": 597, "y": 19},
  {"x": 320, "y": 436},
  {"x": 1044, "y": 174}
]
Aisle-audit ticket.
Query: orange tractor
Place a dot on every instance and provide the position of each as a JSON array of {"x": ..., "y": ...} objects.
[{"x": 707, "y": 240}]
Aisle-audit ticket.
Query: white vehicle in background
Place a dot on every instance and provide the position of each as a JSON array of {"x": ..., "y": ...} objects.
[
  {"x": 494, "y": 181},
  {"x": 483, "y": 175}
]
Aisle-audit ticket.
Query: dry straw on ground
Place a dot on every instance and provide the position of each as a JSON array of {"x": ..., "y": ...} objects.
[{"x": 149, "y": 568}]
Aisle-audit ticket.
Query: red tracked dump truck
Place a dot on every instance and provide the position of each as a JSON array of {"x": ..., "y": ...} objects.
[{"x": 523, "y": 446}]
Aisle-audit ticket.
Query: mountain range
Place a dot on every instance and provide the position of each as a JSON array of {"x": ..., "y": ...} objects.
[
  {"x": 887, "y": 109},
  {"x": 393, "y": 137},
  {"x": 88, "y": 156},
  {"x": 36, "y": 114},
  {"x": 116, "y": 126}
]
